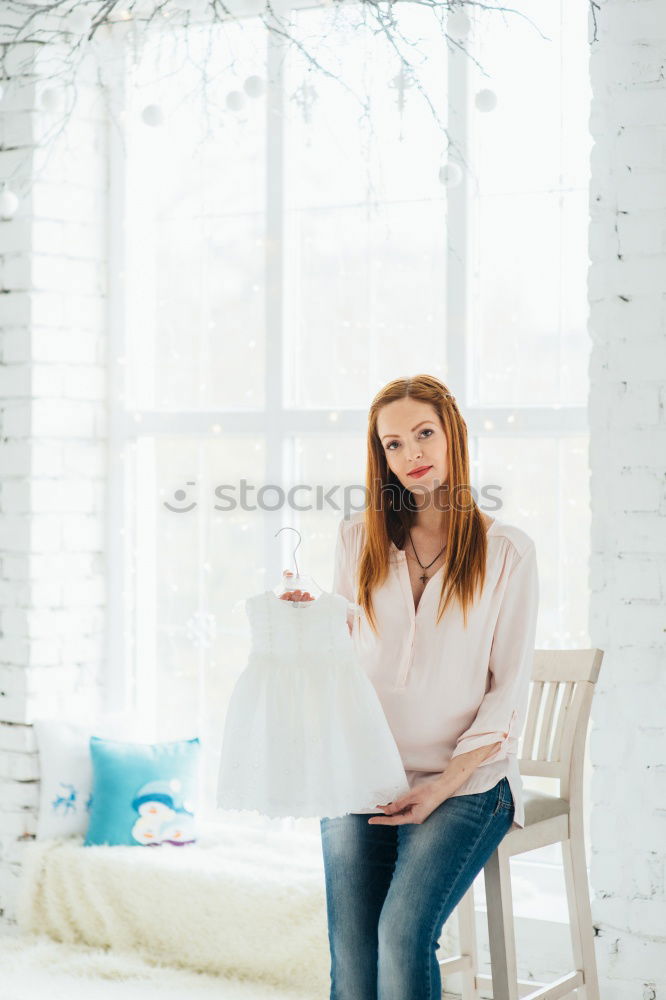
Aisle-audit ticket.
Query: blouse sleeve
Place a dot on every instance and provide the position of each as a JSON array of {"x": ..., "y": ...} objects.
[
  {"x": 502, "y": 712},
  {"x": 342, "y": 575}
]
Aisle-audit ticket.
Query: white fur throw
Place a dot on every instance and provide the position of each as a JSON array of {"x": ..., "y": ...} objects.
[{"x": 244, "y": 903}]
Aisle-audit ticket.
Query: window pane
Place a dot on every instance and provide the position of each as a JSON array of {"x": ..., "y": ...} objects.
[
  {"x": 542, "y": 486},
  {"x": 195, "y": 240},
  {"x": 365, "y": 213},
  {"x": 529, "y": 342}
]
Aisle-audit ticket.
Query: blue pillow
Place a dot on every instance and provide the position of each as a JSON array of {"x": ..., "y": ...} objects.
[{"x": 143, "y": 794}]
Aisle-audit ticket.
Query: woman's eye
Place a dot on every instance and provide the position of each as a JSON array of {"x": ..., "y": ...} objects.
[{"x": 426, "y": 430}]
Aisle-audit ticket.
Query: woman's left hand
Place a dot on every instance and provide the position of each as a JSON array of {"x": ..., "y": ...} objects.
[{"x": 414, "y": 807}]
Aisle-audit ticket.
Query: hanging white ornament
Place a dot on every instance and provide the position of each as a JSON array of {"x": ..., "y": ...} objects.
[
  {"x": 51, "y": 99},
  {"x": 79, "y": 21},
  {"x": 8, "y": 204},
  {"x": 458, "y": 24},
  {"x": 152, "y": 115},
  {"x": 235, "y": 100},
  {"x": 450, "y": 174},
  {"x": 485, "y": 100},
  {"x": 254, "y": 86}
]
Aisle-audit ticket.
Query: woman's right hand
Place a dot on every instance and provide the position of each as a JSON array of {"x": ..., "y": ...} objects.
[
  {"x": 304, "y": 595},
  {"x": 295, "y": 595}
]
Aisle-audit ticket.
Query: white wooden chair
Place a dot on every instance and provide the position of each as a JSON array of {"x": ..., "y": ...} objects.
[{"x": 553, "y": 745}]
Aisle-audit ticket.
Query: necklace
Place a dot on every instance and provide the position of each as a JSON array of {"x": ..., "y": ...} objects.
[{"x": 424, "y": 577}]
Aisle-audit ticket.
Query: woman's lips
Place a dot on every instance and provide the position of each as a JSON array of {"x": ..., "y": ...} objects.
[{"x": 421, "y": 472}]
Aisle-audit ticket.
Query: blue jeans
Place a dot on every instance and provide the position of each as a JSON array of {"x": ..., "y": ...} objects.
[{"x": 390, "y": 890}]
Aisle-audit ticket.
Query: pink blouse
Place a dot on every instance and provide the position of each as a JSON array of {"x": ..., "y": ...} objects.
[{"x": 446, "y": 689}]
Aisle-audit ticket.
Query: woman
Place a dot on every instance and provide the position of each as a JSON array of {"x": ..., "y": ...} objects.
[{"x": 449, "y": 601}]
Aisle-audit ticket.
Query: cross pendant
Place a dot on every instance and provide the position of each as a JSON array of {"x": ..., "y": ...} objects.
[{"x": 423, "y": 578}]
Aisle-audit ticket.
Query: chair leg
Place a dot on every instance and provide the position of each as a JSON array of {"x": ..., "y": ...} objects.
[
  {"x": 467, "y": 936},
  {"x": 501, "y": 937},
  {"x": 580, "y": 913}
]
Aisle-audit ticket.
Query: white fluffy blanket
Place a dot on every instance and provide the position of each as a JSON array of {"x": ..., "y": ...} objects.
[{"x": 247, "y": 905}]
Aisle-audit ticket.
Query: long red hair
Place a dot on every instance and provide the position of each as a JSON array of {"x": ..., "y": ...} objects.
[{"x": 386, "y": 520}]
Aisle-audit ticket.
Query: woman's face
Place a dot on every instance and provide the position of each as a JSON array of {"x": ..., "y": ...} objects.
[{"x": 412, "y": 437}]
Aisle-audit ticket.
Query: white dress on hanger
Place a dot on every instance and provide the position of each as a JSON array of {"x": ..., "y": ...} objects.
[{"x": 305, "y": 733}]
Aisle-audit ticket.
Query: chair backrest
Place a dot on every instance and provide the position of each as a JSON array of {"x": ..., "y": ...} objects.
[{"x": 561, "y": 690}]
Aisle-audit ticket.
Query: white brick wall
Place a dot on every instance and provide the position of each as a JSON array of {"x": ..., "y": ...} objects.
[
  {"x": 52, "y": 446},
  {"x": 627, "y": 289}
]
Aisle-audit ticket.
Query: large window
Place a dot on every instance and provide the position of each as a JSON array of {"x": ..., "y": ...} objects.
[{"x": 276, "y": 264}]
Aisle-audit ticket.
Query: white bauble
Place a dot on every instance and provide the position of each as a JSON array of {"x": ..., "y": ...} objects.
[
  {"x": 8, "y": 204},
  {"x": 450, "y": 174},
  {"x": 254, "y": 86},
  {"x": 152, "y": 115},
  {"x": 51, "y": 99},
  {"x": 485, "y": 100},
  {"x": 79, "y": 21},
  {"x": 235, "y": 100},
  {"x": 458, "y": 24}
]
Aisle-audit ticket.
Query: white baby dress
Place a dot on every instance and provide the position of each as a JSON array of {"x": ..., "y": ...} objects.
[{"x": 305, "y": 733}]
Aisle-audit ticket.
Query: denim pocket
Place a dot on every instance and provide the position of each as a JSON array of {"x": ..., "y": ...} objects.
[{"x": 504, "y": 800}]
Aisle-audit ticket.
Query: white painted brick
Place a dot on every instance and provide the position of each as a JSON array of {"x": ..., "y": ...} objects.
[
  {"x": 14, "y": 458},
  {"x": 15, "y": 497},
  {"x": 47, "y": 236},
  {"x": 19, "y": 824},
  {"x": 641, "y": 189},
  {"x": 76, "y": 346},
  {"x": 14, "y": 650},
  {"x": 641, "y": 232},
  {"x": 43, "y": 593},
  {"x": 634, "y": 405},
  {"x": 47, "y": 381},
  {"x": 66, "y": 201},
  {"x": 16, "y": 419},
  {"x": 15, "y": 566},
  {"x": 14, "y": 533},
  {"x": 15, "y": 272},
  {"x": 62, "y": 418},
  {"x": 17, "y": 739},
  {"x": 14, "y": 345},
  {"x": 66, "y": 495},
  {"x": 15, "y": 381},
  {"x": 46, "y": 532},
  {"x": 631, "y": 276},
  {"x": 70, "y": 309},
  {"x": 87, "y": 459},
  {"x": 16, "y": 129},
  {"x": 15, "y": 233},
  {"x": 20, "y": 767},
  {"x": 638, "y": 490},
  {"x": 47, "y": 458},
  {"x": 645, "y": 620},
  {"x": 85, "y": 382},
  {"x": 85, "y": 593},
  {"x": 634, "y": 447},
  {"x": 16, "y": 311},
  {"x": 45, "y": 652},
  {"x": 639, "y": 533},
  {"x": 84, "y": 240},
  {"x": 12, "y": 708},
  {"x": 82, "y": 532},
  {"x": 644, "y": 315},
  {"x": 638, "y": 578},
  {"x": 65, "y": 274},
  {"x": 629, "y": 24}
]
